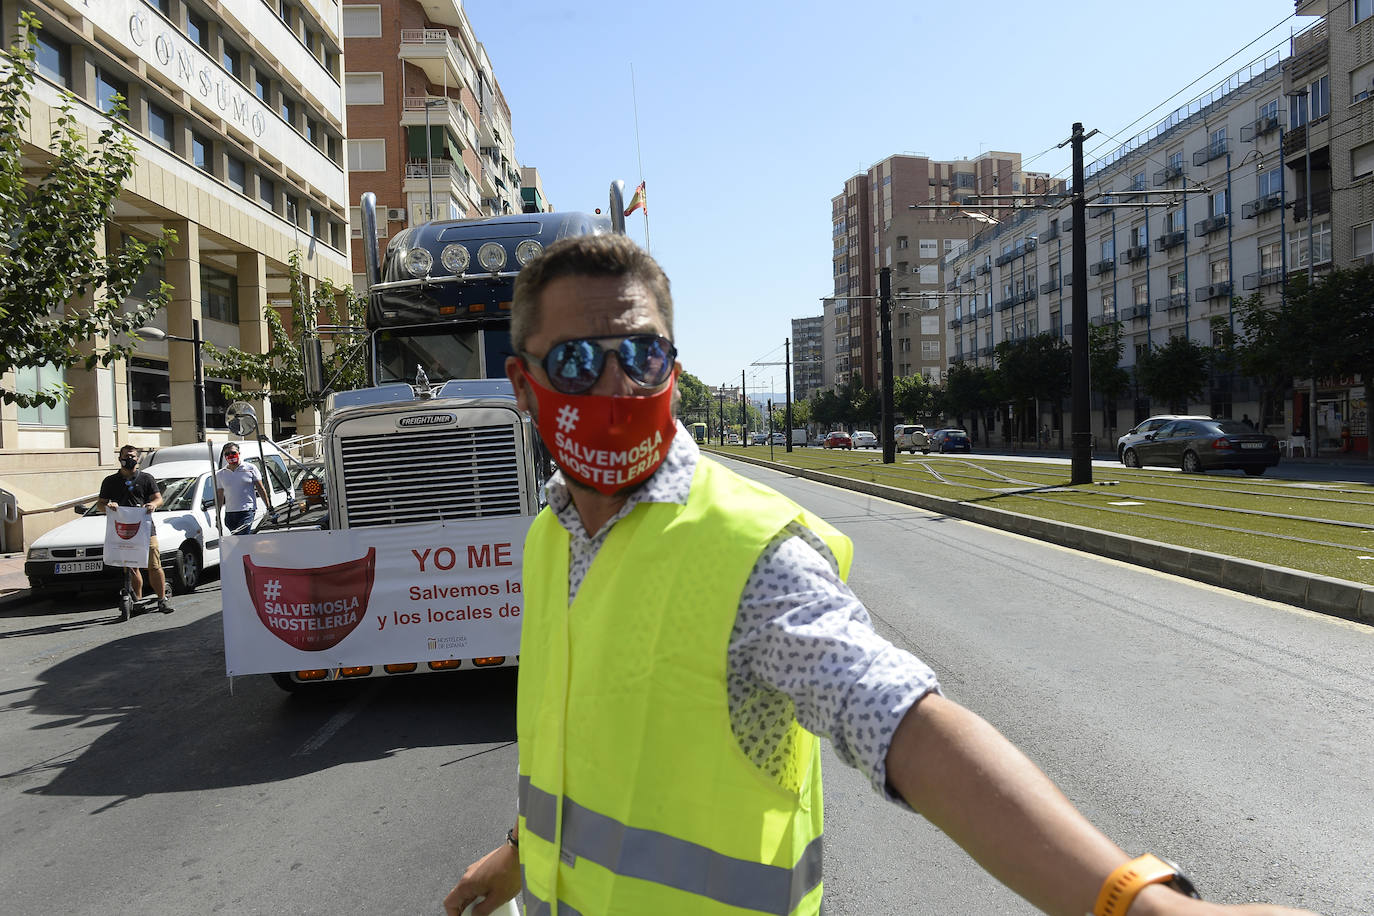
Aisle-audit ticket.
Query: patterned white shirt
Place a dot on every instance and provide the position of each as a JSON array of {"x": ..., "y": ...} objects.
[{"x": 803, "y": 645}]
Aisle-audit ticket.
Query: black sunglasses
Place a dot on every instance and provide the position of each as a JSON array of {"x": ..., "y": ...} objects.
[{"x": 574, "y": 366}]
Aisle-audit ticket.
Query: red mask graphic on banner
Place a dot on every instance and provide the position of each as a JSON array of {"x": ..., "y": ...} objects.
[
  {"x": 608, "y": 442},
  {"x": 127, "y": 530},
  {"x": 311, "y": 609}
]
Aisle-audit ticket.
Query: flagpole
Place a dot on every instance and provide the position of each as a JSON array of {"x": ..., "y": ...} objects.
[{"x": 639, "y": 153}]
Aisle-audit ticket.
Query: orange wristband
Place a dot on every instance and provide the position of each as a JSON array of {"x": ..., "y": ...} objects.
[{"x": 1121, "y": 886}]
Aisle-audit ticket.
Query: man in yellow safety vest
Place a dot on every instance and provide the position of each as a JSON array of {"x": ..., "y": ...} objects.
[{"x": 687, "y": 636}]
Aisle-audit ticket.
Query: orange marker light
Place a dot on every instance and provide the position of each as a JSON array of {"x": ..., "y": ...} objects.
[
  {"x": 405, "y": 668},
  {"x": 445, "y": 664},
  {"x": 356, "y": 671}
]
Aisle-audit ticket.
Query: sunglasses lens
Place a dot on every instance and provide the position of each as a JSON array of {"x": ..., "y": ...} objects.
[
  {"x": 647, "y": 360},
  {"x": 574, "y": 365}
]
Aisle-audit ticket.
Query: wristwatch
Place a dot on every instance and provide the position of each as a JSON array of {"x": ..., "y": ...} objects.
[
  {"x": 1121, "y": 886},
  {"x": 510, "y": 838}
]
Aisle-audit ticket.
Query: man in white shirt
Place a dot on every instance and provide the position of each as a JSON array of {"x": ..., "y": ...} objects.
[{"x": 238, "y": 482}]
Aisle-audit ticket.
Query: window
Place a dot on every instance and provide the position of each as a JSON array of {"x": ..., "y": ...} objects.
[
  {"x": 267, "y": 190},
  {"x": 1269, "y": 109},
  {"x": 107, "y": 86},
  {"x": 355, "y": 221},
  {"x": 1173, "y": 221},
  {"x": 1138, "y": 181},
  {"x": 1320, "y": 92},
  {"x": 930, "y": 273},
  {"x": 237, "y": 173},
  {"x": 32, "y": 380},
  {"x": 160, "y": 126},
  {"x": 315, "y": 223},
  {"x": 1108, "y": 249},
  {"x": 289, "y": 107},
  {"x": 1108, "y": 304},
  {"x": 903, "y": 242},
  {"x": 1270, "y": 256},
  {"x": 312, "y": 131},
  {"x": 1139, "y": 237},
  {"x": 54, "y": 59},
  {"x": 1216, "y": 204},
  {"x": 1321, "y": 246},
  {"x": 233, "y": 61},
  {"x": 1219, "y": 138},
  {"x": 150, "y": 401},
  {"x": 930, "y": 248},
  {"x": 1362, "y": 240},
  {"x": 1176, "y": 160},
  {"x": 1140, "y": 293},
  {"x": 219, "y": 295},
  {"x": 367, "y": 155},
  {"x": 363, "y": 88},
  {"x": 197, "y": 30},
  {"x": 1271, "y": 182},
  {"x": 949, "y": 245},
  {"x": 262, "y": 86},
  {"x": 1362, "y": 161},
  {"x": 930, "y": 349},
  {"x": 1221, "y": 270},
  {"x": 1361, "y": 10},
  {"x": 200, "y": 153},
  {"x": 1176, "y": 285}
]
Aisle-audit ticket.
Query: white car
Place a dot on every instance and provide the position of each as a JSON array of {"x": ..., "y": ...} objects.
[
  {"x": 69, "y": 557},
  {"x": 865, "y": 439}
]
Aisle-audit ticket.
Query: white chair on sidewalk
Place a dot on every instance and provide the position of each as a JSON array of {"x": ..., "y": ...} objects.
[{"x": 1294, "y": 442}]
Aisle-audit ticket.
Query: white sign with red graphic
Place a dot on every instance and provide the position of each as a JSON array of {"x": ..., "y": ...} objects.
[
  {"x": 128, "y": 531},
  {"x": 372, "y": 596}
]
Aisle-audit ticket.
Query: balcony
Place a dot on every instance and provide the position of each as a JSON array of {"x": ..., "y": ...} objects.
[
  {"x": 1171, "y": 240},
  {"x": 441, "y": 110},
  {"x": 952, "y": 285},
  {"x": 1211, "y": 224},
  {"x": 1004, "y": 259},
  {"x": 1214, "y": 150},
  {"x": 956, "y": 323},
  {"x": 1267, "y": 277},
  {"x": 1050, "y": 287},
  {"x": 1104, "y": 266},
  {"x": 982, "y": 269},
  {"x": 1004, "y": 304},
  {"x": 1050, "y": 234},
  {"x": 1171, "y": 302},
  {"x": 983, "y": 312},
  {"x": 1137, "y": 253},
  {"x": 986, "y": 351},
  {"x": 434, "y": 51},
  {"x": 1135, "y": 311},
  {"x": 966, "y": 278},
  {"x": 1295, "y": 140},
  {"x": 1261, "y": 205},
  {"x": 1213, "y": 291},
  {"x": 1261, "y": 128},
  {"x": 1321, "y": 203},
  {"x": 420, "y": 173},
  {"x": 1026, "y": 295},
  {"x": 1168, "y": 174}
]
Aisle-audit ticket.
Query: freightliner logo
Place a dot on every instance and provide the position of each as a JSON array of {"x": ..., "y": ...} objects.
[{"x": 427, "y": 419}]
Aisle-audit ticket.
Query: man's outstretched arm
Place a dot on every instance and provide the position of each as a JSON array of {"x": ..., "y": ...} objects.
[{"x": 971, "y": 782}]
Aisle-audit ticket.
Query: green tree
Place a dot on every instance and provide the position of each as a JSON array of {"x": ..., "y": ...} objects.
[
  {"x": 1176, "y": 373},
  {"x": 1343, "y": 343},
  {"x": 1105, "y": 348},
  {"x": 46, "y": 254},
  {"x": 1032, "y": 370},
  {"x": 279, "y": 373},
  {"x": 971, "y": 391},
  {"x": 914, "y": 397},
  {"x": 696, "y": 399}
]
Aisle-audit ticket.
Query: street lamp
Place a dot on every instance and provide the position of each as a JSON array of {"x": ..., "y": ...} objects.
[
  {"x": 429, "y": 149},
  {"x": 151, "y": 333}
]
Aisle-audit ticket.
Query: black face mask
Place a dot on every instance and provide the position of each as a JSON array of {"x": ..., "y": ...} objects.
[{"x": 128, "y": 463}]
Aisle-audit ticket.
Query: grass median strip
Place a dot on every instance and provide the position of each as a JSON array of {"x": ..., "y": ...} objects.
[{"x": 1322, "y": 529}]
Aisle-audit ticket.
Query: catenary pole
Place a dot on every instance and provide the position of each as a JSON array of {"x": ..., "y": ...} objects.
[
  {"x": 1081, "y": 462},
  {"x": 787, "y": 380},
  {"x": 885, "y": 321}
]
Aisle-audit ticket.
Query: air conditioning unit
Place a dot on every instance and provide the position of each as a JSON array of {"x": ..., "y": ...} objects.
[{"x": 395, "y": 214}]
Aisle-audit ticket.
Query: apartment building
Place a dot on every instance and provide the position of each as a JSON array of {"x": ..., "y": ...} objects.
[
  {"x": 429, "y": 131},
  {"x": 237, "y": 117},
  {"x": 532, "y": 195},
  {"x": 1183, "y": 219},
  {"x": 808, "y": 335},
  {"x": 874, "y": 226}
]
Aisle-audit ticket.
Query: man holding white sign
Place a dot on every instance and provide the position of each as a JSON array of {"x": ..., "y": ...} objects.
[
  {"x": 687, "y": 637},
  {"x": 132, "y": 488}
]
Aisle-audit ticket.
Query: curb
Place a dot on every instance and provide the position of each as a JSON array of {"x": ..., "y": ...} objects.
[{"x": 1323, "y": 594}]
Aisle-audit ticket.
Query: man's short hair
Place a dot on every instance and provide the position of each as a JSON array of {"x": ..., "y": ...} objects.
[
  {"x": 584, "y": 256},
  {"x": 128, "y": 448}
]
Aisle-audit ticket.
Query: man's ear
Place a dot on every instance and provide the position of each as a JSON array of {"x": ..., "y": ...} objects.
[{"x": 524, "y": 398}]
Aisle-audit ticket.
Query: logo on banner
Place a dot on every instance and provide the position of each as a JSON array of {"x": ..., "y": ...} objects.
[
  {"x": 127, "y": 530},
  {"x": 311, "y": 609}
]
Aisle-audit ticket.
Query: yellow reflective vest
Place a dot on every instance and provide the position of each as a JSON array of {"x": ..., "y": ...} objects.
[{"x": 635, "y": 797}]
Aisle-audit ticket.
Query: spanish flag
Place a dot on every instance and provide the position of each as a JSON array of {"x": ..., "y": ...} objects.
[{"x": 637, "y": 201}]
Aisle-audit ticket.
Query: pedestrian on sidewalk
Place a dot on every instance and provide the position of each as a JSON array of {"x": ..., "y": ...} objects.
[
  {"x": 129, "y": 486},
  {"x": 239, "y": 485}
]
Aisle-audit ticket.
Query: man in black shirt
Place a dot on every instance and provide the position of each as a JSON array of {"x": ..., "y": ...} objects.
[{"x": 131, "y": 487}]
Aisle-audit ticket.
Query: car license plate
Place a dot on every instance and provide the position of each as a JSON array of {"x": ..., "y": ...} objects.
[
  {"x": 1252, "y": 445},
  {"x": 79, "y": 567}
]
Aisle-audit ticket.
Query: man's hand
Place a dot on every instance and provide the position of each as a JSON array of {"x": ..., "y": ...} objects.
[{"x": 495, "y": 876}]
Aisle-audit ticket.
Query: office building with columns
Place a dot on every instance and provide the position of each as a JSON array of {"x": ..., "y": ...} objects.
[{"x": 236, "y": 113}]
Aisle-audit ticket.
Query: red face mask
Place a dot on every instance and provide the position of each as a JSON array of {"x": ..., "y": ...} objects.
[
  {"x": 232, "y": 459},
  {"x": 607, "y": 442}
]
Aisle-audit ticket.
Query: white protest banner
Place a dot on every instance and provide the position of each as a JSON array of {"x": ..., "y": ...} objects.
[
  {"x": 372, "y": 596},
  {"x": 127, "y": 532}
]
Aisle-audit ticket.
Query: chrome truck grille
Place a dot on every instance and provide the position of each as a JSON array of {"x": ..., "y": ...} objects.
[{"x": 430, "y": 475}]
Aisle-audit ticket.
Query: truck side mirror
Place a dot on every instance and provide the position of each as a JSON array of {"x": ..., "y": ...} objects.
[{"x": 312, "y": 364}]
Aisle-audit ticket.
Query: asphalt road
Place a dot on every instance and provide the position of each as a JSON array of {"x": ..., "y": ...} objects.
[{"x": 1227, "y": 733}]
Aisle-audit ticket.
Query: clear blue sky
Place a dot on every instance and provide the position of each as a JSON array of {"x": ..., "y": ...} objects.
[{"x": 753, "y": 113}]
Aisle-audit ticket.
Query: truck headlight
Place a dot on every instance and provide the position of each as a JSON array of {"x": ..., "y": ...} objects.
[
  {"x": 40, "y": 553},
  {"x": 455, "y": 258},
  {"x": 492, "y": 256},
  {"x": 418, "y": 261},
  {"x": 527, "y": 251}
]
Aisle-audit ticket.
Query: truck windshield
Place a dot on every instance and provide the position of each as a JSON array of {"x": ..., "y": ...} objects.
[{"x": 444, "y": 353}]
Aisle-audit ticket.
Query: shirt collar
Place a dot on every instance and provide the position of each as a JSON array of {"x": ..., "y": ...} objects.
[{"x": 669, "y": 484}]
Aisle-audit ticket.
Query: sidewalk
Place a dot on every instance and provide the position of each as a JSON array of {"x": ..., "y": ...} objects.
[{"x": 14, "y": 585}]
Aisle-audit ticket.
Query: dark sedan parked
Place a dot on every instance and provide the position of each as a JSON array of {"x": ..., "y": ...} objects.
[
  {"x": 1205, "y": 445},
  {"x": 950, "y": 440}
]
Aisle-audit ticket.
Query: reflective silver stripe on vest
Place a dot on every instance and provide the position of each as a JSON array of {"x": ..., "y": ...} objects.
[
  {"x": 652, "y": 856},
  {"x": 536, "y": 907}
]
